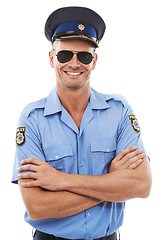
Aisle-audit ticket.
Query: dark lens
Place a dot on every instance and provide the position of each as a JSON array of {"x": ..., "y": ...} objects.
[
  {"x": 64, "y": 56},
  {"x": 85, "y": 57}
]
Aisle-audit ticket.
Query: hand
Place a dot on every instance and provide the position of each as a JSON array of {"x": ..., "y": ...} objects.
[
  {"x": 44, "y": 174},
  {"x": 129, "y": 158}
]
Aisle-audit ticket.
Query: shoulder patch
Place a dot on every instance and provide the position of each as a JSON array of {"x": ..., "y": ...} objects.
[
  {"x": 134, "y": 123},
  {"x": 20, "y": 136}
]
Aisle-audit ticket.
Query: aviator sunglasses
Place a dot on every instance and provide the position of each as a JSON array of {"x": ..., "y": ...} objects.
[{"x": 65, "y": 56}]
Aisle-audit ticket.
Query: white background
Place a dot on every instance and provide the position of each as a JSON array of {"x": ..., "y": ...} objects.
[{"x": 132, "y": 62}]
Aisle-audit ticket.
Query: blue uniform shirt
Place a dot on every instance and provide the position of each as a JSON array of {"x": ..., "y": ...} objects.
[{"x": 47, "y": 132}]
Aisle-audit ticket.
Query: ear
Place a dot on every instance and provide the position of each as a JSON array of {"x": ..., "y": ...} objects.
[
  {"x": 94, "y": 61},
  {"x": 51, "y": 59}
]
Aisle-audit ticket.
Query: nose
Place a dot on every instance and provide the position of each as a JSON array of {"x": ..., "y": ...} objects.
[{"x": 74, "y": 62}]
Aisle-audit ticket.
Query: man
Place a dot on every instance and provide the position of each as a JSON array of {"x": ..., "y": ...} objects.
[{"x": 79, "y": 153}]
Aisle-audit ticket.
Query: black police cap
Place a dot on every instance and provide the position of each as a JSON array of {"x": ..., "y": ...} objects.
[{"x": 75, "y": 23}]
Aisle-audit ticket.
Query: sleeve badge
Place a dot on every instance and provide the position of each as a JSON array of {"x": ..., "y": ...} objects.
[
  {"x": 20, "y": 136},
  {"x": 134, "y": 123}
]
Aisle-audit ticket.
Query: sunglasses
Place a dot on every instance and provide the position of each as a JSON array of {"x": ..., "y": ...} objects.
[{"x": 65, "y": 56}]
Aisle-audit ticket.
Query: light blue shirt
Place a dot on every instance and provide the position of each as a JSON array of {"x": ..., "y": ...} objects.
[{"x": 108, "y": 126}]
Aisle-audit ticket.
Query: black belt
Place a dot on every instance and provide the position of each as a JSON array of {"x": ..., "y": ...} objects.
[{"x": 45, "y": 236}]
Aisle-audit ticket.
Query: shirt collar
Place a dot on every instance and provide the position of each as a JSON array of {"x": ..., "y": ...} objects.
[
  {"x": 53, "y": 104},
  {"x": 98, "y": 100}
]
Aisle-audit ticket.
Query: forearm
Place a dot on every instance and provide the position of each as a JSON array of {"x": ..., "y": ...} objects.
[
  {"x": 113, "y": 187},
  {"x": 118, "y": 186},
  {"x": 43, "y": 204},
  {"x": 62, "y": 204}
]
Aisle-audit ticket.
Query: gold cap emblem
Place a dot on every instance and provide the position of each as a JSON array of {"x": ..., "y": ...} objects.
[{"x": 81, "y": 27}]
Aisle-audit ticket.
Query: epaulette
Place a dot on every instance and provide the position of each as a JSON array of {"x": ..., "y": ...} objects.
[
  {"x": 33, "y": 106},
  {"x": 117, "y": 98}
]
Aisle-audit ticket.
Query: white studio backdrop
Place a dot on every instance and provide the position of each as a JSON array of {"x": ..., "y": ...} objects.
[{"x": 132, "y": 62}]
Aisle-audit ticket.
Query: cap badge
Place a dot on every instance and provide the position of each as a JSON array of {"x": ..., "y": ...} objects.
[{"x": 81, "y": 27}]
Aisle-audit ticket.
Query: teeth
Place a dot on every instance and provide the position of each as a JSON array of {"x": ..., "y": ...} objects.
[{"x": 73, "y": 73}]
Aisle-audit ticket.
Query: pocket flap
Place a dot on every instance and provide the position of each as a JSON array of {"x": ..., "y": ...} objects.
[
  {"x": 105, "y": 145},
  {"x": 58, "y": 152}
]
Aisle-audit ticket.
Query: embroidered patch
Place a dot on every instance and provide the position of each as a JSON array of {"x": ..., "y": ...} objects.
[
  {"x": 134, "y": 123},
  {"x": 20, "y": 136}
]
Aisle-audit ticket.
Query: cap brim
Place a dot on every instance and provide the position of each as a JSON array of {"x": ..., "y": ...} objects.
[{"x": 79, "y": 37}]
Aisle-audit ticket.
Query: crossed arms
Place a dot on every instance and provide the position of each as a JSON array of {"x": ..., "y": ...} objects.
[{"x": 49, "y": 193}]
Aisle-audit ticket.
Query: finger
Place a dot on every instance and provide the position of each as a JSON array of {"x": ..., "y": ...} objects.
[
  {"x": 129, "y": 157},
  {"x": 124, "y": 152},
  {"x": 28, "y": 167},
  {"x": 29, "y": 184},
  {"x": 135, "y": 153},
  {"x": 28, "y": 175},
  {"x": 133, "y": 160},
  {"x": 31, "y": 161},
  {"x": 136, "y": 164}
]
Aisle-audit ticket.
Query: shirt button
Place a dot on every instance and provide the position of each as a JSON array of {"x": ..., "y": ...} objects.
[
  {"x": 89, "y": 214},
  {"x": 107, "y": 149},
  {"x": 57, "y": 157},
  {"x": 81, "y": 165}
]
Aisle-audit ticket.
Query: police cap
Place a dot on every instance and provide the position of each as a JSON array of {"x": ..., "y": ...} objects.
[{"x": 75, "y": 23}]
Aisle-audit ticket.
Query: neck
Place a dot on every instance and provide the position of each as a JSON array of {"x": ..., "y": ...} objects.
[{"x": 74, "y": 101}]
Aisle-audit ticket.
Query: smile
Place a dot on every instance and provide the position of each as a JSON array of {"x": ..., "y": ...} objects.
[{"x": 73, "y": 73}]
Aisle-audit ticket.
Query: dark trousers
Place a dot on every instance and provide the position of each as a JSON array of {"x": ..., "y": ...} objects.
[{"x": 43, "y": 236}]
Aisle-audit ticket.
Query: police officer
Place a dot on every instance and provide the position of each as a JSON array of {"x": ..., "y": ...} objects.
[{"x": 79, "y": 153}]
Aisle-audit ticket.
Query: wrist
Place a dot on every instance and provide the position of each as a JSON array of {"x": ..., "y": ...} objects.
[
  {"x": 71, "y": 182},
  {"x": 65, "y": 181}
]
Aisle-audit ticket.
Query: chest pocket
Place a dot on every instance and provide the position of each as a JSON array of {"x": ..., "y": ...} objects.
[
  {"x": 60, "y": 157},
  {"x": 103, "y": 152}
]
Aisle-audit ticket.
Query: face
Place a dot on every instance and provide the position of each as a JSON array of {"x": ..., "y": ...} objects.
[{"x": 73, "y": 74}]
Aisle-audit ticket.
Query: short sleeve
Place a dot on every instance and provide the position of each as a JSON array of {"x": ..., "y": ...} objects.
[
  {"x": 129, "y": 133},
  {"x": 28, "y": 143}
]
